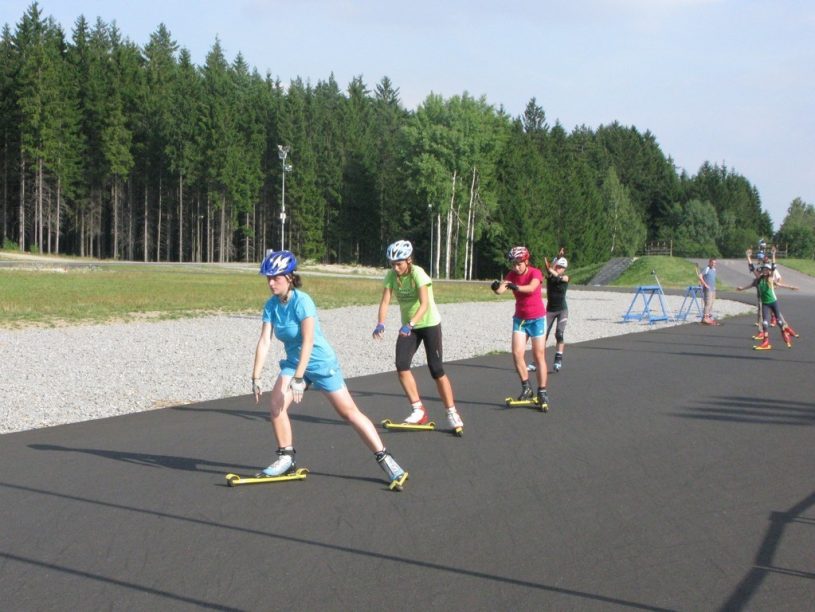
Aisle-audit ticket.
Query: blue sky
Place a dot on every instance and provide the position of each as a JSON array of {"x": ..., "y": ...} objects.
[{"x": 727, "y": 81}]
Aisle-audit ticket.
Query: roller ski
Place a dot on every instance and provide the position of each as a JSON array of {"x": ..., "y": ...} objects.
[
  {"x": 283, "y": 469},
  {"x": 390, "y": 425},
  {"x": 527, "y": 399},
  {"x": 397, "y": 477}
]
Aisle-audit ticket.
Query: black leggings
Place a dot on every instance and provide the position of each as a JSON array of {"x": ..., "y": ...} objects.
[{"x": 406, "y": 347}]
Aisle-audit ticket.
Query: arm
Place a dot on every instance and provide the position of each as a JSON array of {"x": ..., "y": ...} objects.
[
  {"x": 780, "y": 284},
  {"x": 261, "y": 351},
  {"x": 530, "y": 288},
  {"x": 382, "y": 314},
  {"x": 297, "y": 384},
  {"x": 749, "y": 254}
]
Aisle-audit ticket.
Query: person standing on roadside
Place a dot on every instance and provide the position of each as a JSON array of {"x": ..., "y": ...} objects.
[
  {"x": 310, "y": 360},
  {"x": 421, "y": 324},
  {"x": 707, "y": 278}
]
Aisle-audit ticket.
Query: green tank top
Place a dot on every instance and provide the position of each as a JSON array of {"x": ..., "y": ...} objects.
[
  {"x": 766, "y": 291},
  {"x": 406, "y": 289}
]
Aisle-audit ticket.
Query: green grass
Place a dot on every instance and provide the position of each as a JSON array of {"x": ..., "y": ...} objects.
[
  {"x": 125, "y": 292},
  {"x": 807, "y": 266},
  {"x": 675, "y": 272}
]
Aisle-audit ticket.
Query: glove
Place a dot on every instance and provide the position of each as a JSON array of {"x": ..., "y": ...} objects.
[
  {"x": 298, "y": 387},
  {"x": 256, "y": 390},
  {"x": 405, "y": 330},
  {"x": 379, "y": 330},
  {"x": 495, "y": 285},
  {"x": 512, "y": 286}
]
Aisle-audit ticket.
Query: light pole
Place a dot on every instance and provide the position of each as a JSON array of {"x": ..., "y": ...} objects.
[
  {"x": 282, "y": 153},
  {"x": 430, "y": 212}
]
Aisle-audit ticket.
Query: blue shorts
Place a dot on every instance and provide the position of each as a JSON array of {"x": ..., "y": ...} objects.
[
  {"x": 323, "y": 377},
  {"x": 533, "y": 328}
]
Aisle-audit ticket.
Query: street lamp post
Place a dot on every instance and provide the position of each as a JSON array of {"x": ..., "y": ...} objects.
[
  {"x": 282, "y": 153},
  {"x": 430, "y": 212}
]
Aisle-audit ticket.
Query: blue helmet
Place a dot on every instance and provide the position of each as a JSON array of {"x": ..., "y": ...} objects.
[
  {"x": 399, "y": 250},
  {"x": 278, "y": 262}
]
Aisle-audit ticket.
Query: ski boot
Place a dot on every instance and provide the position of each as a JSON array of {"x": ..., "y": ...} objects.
[
  {"x": 455, "y": 422},
  {"x": 558, "y": 362},
  {"x": 773, "y": 321},
  {"x": 284, "y": 468},
  {"x": 283, "y": 465},
  {"x": 396, "y": 475},
  {"x": 417, "y": 421},
  {"x": 791, "y": 331},
  {"x": 543, "y": 400},
  {"x": 764, "y": 346},
  {"x": 762, "y": 335},
  {"x": 526, "y": 398},
  {"x": 417, "y": 417},
  {"x": 787, "y": 336}
]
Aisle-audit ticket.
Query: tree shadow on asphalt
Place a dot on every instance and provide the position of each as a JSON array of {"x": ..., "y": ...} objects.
[
  {"x": 371, "y": 554},
  {"x": 752, "y": 410}
]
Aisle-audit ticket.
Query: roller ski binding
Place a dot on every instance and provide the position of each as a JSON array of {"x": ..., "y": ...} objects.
[
  {"x": 396, "y": 475},
  {"x": 527, "y": 399},
  {"x": 417, "y": 421},
  {"x": 282, "y": 470}
]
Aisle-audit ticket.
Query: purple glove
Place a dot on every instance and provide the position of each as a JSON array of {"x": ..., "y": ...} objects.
[
  {"x": 379, "y": 330},
  {"x": 405, "y": 330}
]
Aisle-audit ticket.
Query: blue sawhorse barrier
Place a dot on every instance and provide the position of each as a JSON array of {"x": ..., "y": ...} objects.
[
  {"x": 647, "y": 292},
  {"x": 693, "y": 297}
]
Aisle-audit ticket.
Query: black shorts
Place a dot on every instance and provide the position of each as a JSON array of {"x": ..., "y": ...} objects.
[{"x": 406, "y": 347}]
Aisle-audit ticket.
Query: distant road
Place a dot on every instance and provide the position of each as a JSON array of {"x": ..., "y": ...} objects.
[{"x": 734, "y": 272}]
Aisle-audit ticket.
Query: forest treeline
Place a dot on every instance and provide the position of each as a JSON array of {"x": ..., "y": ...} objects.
[{"x": 113, "y": 150}]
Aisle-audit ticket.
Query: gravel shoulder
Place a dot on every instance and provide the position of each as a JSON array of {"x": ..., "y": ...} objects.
[{"x": 71, "y": 374}]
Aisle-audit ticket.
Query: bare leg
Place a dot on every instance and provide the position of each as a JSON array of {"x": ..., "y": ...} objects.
[
  {"x": 345, "y": 406},
  {"x": 539, "y": 354},
  {"x": 408, "y": 383},
  {"x": 279, "y": 411},
  {"x": 518, "y": 349},
  {"x": 445, "y": 391}
]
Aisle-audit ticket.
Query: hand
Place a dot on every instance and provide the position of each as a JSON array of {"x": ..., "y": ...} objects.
[
  {"x": 512, "y": 286},
  {"x": 405, "y": 329},
  {"x": 495, "y": 285},
  {"x": 379, "y": 331},
  {"x": 256, "y": 390},
  {"x": 298, "y": 387}
]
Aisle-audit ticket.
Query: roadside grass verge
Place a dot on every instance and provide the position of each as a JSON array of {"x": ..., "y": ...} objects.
[{"x": 100, "y": 293}]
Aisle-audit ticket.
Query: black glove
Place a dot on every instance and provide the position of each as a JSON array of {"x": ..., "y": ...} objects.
[
  {"x": 495, "y": 285},
  {"x": 512, "y": 286}
]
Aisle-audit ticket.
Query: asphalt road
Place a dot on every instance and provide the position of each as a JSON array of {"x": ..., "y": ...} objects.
[{"x": 673, "y": 472}]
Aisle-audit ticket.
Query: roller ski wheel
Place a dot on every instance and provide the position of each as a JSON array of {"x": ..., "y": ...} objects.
[
  {"x": 390, "y": 425},
  {"x": 234, "y": 480},
  {"x": 398, "y": 484}
]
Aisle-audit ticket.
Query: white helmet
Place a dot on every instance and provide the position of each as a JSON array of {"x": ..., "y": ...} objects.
[
  {"x": 399, "y": 251},
  {"x": 561, "y": 261}
]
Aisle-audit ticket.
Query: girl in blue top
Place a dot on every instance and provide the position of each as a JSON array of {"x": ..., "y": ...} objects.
[{"x": 310, "y": 360}]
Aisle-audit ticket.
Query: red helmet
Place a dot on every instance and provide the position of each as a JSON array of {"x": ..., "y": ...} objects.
[{"x": 518, "y": 253}]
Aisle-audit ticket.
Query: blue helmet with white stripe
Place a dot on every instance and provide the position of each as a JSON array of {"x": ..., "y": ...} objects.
[{"x": 278, "y": 262}]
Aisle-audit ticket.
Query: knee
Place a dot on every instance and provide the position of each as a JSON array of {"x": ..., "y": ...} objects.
[
  {"x": 559, "y": 336},
  {"x": 436, "y": 370}
]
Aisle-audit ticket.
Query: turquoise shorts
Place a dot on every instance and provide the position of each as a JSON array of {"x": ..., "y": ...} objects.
[
  {"x": 533, "y": 328},
  {"x": 323, "y": 378}
]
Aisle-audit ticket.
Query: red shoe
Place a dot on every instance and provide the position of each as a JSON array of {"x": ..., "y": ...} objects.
[
  {"x": 773, "y": 321},
  {"x": 792, "y": 331},
  {"x": 787, "y": 337},
  {"x": 760, "y": 336},
  {"x": 764, "y": 346}
]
